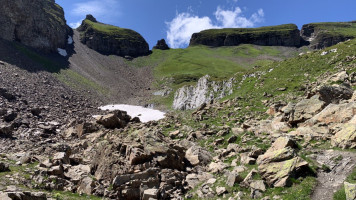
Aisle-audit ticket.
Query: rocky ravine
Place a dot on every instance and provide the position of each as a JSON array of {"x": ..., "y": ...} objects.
[{"x": 39, "y": 24}]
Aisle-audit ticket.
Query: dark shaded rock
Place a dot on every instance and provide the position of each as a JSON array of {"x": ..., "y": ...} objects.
[
  {"x": 6, "y": 130},
  {"x": 118, "y": 119},
  {"x": 282, "y": 35},
  {"x": 161, "y": 44},
  {"x": 39, "y": 24},
  {"x": 112, "y": 40},
  {"x": 4, "y": 167},
  {"x": 4, "y": 93},
  {"x": 335, "y": 93},
  {"x": 322, "y": 35}
]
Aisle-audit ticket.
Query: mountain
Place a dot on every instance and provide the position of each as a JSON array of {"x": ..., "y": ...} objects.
[
  {"x": 38, "y": 24},
  {"x": 254, "y": 121},
  {"x": 108, "y": 39}
]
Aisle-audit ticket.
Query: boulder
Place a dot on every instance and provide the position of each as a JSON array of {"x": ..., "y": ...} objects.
[
  {"x": 111, "y": 40},
  {"x": 216, "y": 167},
  {"x": 278, "y": 174},
  {"x": 220, "y": 191},
  {"x": 39, "y": 24},
  {"x": 346, "y": 137},
  {"x": 277, "y": 155},
  {"x": 334, "y": 113},
  {"x": 197, "y": 156},
  {"x": 118, "y": 119},
  {"x": 335, "y": 93},
  {"x": 5, "y": 130},
  {"x": 86, "y": 185},
  {"x": 161, "y": 44},
  {"x": 306, "y": 109},
  {"x": 233, "y": 178},
  {"x": 150, "y": 194},
  {"x": 350, "y": 191},
  {"x": 4, "y": 167}
]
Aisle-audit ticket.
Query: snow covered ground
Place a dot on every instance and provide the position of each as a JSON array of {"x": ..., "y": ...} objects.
[
  {"x": 145, "y": 114},
  {"x": 62, "y": 52}
]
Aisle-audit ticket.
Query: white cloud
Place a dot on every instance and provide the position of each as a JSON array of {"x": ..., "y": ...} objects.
[
  {"x": 181, "y": 28},
  {"x": 75, "y": 24},
  {"x": 104, "y": 9}
]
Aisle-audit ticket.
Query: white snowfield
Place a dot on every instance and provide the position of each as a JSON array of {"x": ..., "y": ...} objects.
[{"x": 145, "y": 114}]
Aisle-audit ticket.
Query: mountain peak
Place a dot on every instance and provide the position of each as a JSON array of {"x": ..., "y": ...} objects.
[{"x": 91, "y": 18}]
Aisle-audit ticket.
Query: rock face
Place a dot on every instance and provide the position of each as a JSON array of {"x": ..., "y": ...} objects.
[
  {"x": 283, "y": 35},
  {"x": 38, "y": 24},
  {"x": 190, "y": 97},
  {"x": 161, "y": 44},
  {"x": 321, "y": 35},
  {"x": 108, "y": 39}
]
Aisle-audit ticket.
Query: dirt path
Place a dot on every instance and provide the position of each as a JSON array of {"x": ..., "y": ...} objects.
[{"x": 341, "y": 163}]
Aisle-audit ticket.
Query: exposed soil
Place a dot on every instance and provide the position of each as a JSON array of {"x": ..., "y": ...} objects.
[{"x": 341, "y": 164}]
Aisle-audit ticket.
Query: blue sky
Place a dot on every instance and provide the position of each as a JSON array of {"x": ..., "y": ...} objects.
[{"x": 176, "y": 20}]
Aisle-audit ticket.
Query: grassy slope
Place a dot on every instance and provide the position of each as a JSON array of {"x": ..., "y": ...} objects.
[
  {"x": 117, "y": 32},
  {"x": 291, "y": 74},
  {"x": 281, "y": 29},
  {"x": 337, "y": 28},
  {"x": 186, "y": 66}
]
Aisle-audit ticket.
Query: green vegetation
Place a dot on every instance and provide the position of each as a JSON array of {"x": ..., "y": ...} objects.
[
  {"x": 214, "y": 33},
  {"x": 340, "y": 194},
  {"x": 114, "y": 31},
  {"x": 347, "y": 29}
]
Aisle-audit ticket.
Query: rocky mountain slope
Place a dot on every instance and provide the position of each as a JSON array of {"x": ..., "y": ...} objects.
[
  {"x": 317, "y": 35},
  {"x": 282, "y": 35},
  {"x": 38, "y": 24},
  {"x": 108, "y": 39}
]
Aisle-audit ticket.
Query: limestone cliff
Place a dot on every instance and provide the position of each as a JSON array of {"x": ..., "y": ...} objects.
[
  {"x": 190, "y": 97},
  {"x": 108, "y": 39},
  {"x": 282, "y": 35},
  {"x": 39, "y": 24}
]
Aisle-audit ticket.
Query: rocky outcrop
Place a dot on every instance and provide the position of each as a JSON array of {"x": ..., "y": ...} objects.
[
  {"x": 162, "y": 45},
  {"x": 108, "y": 39},
  {"x": 190, "y": 97},
  {"x": 39, "y": 24},
  {"x": 283, "y": 35},
  {"x": 322, "y": 35}
]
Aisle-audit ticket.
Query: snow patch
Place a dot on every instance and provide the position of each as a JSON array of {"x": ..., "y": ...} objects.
[
  {"x": 145, "y": 114},
  {"x": 70, "y": 39},
  {"x": 62, "y": 52}
]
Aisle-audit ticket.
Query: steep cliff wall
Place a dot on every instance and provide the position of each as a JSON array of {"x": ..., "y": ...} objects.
[
  {"x": 322, "y": 35},
  {"x": 108, "y": 39},
  {"x": 282, "y": 35},
  {"x": 39, "y": 24},
  {"x": 190, "y": 97}
]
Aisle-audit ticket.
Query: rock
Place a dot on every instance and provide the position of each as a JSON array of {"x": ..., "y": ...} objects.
[
  {"x": 283, "y": 35},
  {"x": 198, "y": 156},
  {"x": 278, "y": 174},
  {"x": 249, "y": 178},
  {"x": 258, "y": 185},
  {"x": 306, "y": 109},
  {"x": 38, "y": 24},
  {"x": 334, "y": 113},
  {"x": 350, "y": 191},
  {"x": 216, "y": 167},
  {"x": 86, "y": 186},
  {"x": 246, "y": 160},
  {"x": 110, "y": 39},
  {"x": 4, "y": 196},
  {"x": 190, "y": 97},
  {"x": 319, "y": 34},
  {"x": 85, "y": 128},
  {"x": 233, "y": 178},
  {"x": 61, "y": 157},
  {"x": 334, "y": 93},
  {"x": 277, "y": 155},
  {"x": 118, "y": 119},
  {"x": 220, "y": 191},
  {"x": 7, "y": 95},
  {"x": 150, "y": 194},
  {"x": 4, "y": 167},
  {"x": 174, "y": 134},
  {"x": 5, "y": 130},
  {"x": 346, "y": 137},
  {"x": 256, "y": 194},
  {"x": 282, "y": 142},
  {"x": 161, "y": 44},
  {"x": 56, "y": 171}
]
